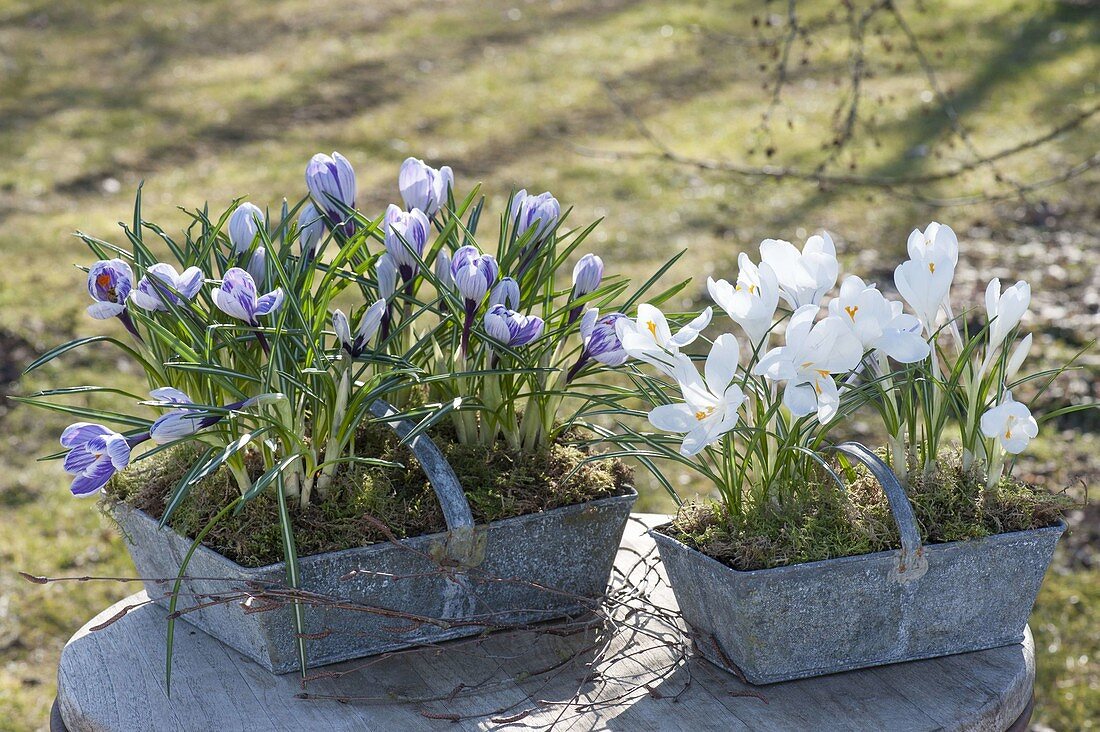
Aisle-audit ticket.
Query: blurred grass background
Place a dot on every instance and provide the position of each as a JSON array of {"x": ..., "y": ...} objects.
[{"x": 209, "y": 101}]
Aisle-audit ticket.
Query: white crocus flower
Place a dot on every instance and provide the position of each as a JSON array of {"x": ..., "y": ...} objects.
[
  {"x": 710, "y": 404},
  {"x": 804, "y": 277},
  {"x": 925, "y": 280},
  {"x": 1005, "y": 310},
  {"x": 1011, "y": 423},
  {"x": 812, "y": 354},
  {"x": 650, "y": 339},
  {"x": 878, "y": 323},
  {"x": 751, "y": 303}
]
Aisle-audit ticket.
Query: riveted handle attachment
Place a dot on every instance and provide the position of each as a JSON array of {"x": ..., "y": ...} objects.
[
  {"x": 912, "y": 564},
  {"x": 462, "y": 545}
]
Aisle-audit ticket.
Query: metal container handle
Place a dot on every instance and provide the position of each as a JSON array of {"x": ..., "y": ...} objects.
[
  {"x": 912, "y": 564},
  {"x": 462, "y": 545}
]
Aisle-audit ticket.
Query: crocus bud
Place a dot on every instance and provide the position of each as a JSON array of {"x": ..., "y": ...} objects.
[
  {"x": 257, "y": 265},
  {"x": 331, "y": 183},
  {"x": 512, "y": 328},
  {"x": 443, "y": 269},
  {"x": 244, "y": 224},
  {"x": 473, "y": 273},
  {"x": 587, "y": 274},
  {"x": 406, "y": 234},
  {"x": 423, "y": 187},
  {"x": 385, "y": 271},
  {"x": 311, "y": 228},
  {"x": 505, "y": 293},
  {"x": 540, "y": 213},
  {"x": 368, "y": 326}
]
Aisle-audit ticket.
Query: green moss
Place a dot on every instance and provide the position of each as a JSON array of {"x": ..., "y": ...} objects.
[
  {"x": 367, "y": 502},
  {"x": 823, "y": 522}
]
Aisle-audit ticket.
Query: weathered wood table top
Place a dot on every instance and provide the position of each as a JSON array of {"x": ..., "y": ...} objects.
[{"x": 633, "y": 671}]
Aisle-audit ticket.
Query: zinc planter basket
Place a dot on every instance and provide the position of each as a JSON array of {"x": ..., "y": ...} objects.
[
  {"x": 853, "y": 612},
  {"x": 458, "y": 583}
]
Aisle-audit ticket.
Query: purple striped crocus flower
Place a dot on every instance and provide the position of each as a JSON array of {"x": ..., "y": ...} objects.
[
  {"x": 473, "y": 274},
  {"x": 110, "y": 282},
  {"x": 601, "y": 341},
  {"x": 331, "y": 183},
  {"x": 162, "y": 284},
  {"x": 95, "y": 454},
  {"x": 512, "y": 328},
  {"x": 237, "y": 297},
  {"x": 406, "y": 235},
  {"x": 423, "y": 187}
]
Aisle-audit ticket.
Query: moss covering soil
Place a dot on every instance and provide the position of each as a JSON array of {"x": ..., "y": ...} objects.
[
  {"x": 366, "y": 502},
  {"x": 823, "y": 522}
]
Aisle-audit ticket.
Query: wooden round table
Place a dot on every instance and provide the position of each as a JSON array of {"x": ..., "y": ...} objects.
[{"x": 633, "y": 676}]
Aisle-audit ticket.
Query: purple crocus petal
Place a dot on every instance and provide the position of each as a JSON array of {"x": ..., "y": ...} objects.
[
  {"x": 506, "y": 293},
  {"x": 539, "y": 212},
  {"x": 311, "y": 227},
  {"x": 92, "y": 480},
  {"x": 190, "y": 282},
  {"x": 105, "y": 310},
  {"x": 270, "y": 302},
  {"x": 118, "y": 450},
  {"x": 78, "y": 460},
  {"x": 170, "y": 394},
  {"x": 257, "y": 265},
  {"x": 244, "y": 224},
  {"x": 529, "y": 331},
  {"x": 79, "y": 433},
  {"x": 176, "y": 425}
]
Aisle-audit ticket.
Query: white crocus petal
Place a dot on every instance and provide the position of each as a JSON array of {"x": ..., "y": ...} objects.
[
  {"x": 721, "y": 364},
  {"x": 1011, "y": 423},
  {"x": 801, "y": 399},
  {"x": 105, "y": 309},
  {"x": 653, "y": 320},
  {"x": 1019, "y": 354},
  {"x": 803, "y": 277},
  {"x": 828, "y": 399},
  {"x": 673, "y": 418},
  {"x": 687, "y": 335},
  {"x": 903, "y": 346}
]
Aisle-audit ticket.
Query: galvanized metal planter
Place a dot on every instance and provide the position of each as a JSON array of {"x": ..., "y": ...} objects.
[
  {"x": 840, "y": 614},
  {"x": 460, "y": 582}
]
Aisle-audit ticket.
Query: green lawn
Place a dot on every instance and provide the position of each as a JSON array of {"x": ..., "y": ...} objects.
[{"x": 209, "y": 101}]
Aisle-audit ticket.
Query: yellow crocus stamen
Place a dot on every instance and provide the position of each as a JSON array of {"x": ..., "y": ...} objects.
[
  {"x": 703, "y": 414},
  {"x": 652, "y": 329},
  {"x": 932, "y": 267},
  {"x": 852, "y": 310}
]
